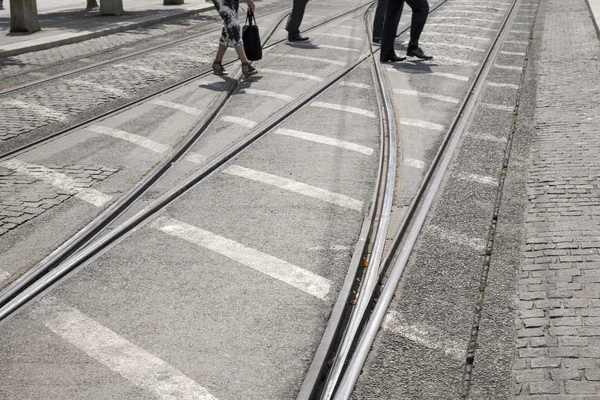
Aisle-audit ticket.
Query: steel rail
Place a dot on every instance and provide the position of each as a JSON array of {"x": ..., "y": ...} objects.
[
  {"x": 415, "y": 218},
  {"x": 337, "y": 342},
  {"x": 133, "y": 103},
  {"x": 121, "y": 58},
  {"x": 341, "y": 312},
  {"x": 103, "y": 242},
  {"x": 120, "y": 205}
]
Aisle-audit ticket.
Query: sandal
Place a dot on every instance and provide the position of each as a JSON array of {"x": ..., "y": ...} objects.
[
  {"x": 248, "y": 70},
  {"x": 218, "y": 68}
]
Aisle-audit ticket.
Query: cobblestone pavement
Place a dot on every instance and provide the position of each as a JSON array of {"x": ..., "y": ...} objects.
[
  {"x": 558, "y": 344},
  {"x": 24, "y": 194}
]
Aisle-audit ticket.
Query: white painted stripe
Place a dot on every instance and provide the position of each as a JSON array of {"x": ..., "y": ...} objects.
[
  {"x": 485, "y": 180},
  {"x": 502, "y": 85},
  {"x": 355, "y": 84},
  {"x": 411, "y": 162},
  {"x": 476, "y": 244},
  {"x": 492, "y": 21},
  {"x": 399, "y": 68},
  {"x": 487, "y": 137},
  {"x": 420, "y": 124},
  {"x": 423, "y": 335},
  {"x": 4, "y": 276},
  {"x": 266, "y": 93},
  {"x": 283, "y": 271},
  {"x": 130, "y": 137},
  {"x": 508, "y": 67},
  {"x": 38, "y": 109},
  {"x": 177, "y": 106},
  {"x": 347, "y": 26},
  {"x": 521, "y": 23},
  {"x": 325, "y": 46},
  {"x": 240, "y": 121},
  {"x": 464, "y": 26},
  {"x": 458, "y": 46},
  {"x": 341, "y": 36},
  {"x": 97, "y": 86},
  {"x": 195, "y": 158},
  {"x": 513, "y": 53},
  {"x": 296, "y": 187},
  {"x": 467, "y": 11},
  {"x": 326, "y": 140},
  {"x": 58, "y": 180},
  {"x": 459, "y": 35},
  {"x": 142, "y": 69},
  {"x": 426, "y": 95},
  {"x": 515, "y": 42},
  {"x": 499, "y": 107},
  {"x": 518, "y": 31},
  {"x": 456, "y": 61},
  {"x": 120, "y": 355},
  {"x": 318, "y": 59},
  {"x": 291, "y": 73},
  {"x": 340, "y": 107}
]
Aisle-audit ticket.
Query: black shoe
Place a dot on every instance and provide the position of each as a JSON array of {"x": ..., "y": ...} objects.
[
  {"x": 297, "y": 38},
  {"x": 418, "y": 53},
  {"x": 376, "y": 39},
  {"x": 392, "y": 58}
]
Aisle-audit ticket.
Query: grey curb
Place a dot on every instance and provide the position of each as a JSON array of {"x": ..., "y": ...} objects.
[{"x": 48, "y": 43}]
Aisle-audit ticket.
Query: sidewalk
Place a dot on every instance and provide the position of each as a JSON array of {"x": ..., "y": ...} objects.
[{"x": 73, "y": 24}]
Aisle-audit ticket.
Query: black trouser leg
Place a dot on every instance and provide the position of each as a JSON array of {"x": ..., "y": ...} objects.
[
  {"x": 295, "y": 18},
  {"x": 390, "y": 26},
  {"x": 378, "y": 18},
  {"x": 420, "y": 10}
]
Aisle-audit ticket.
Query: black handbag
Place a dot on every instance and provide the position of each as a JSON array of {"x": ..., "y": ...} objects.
[{"x": 251, "y": 38}]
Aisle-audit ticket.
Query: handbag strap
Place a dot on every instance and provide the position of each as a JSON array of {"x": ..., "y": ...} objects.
[{"x": 250, "y": 16}]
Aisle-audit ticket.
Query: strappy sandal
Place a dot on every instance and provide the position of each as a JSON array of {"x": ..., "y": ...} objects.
[
  {"x": 248, "y": 70},
  {"x": 218, "y": 68}
]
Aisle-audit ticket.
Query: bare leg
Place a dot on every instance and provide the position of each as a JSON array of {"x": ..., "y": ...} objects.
[{"x": 241, "y": 54}]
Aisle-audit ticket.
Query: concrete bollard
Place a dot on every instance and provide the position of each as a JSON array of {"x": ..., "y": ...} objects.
[
  {"x": 172, "y": 2},
  {"x": 111, "y": 7}
]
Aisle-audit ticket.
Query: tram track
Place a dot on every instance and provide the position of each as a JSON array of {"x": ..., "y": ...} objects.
[{"x": 368, "y": 253}]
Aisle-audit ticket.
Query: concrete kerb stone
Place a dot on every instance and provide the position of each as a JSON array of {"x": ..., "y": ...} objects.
[
  {"x": 45, "y": 43},
  {"x": 594, "y": 6}
]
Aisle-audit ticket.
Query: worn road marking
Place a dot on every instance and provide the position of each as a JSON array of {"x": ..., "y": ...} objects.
[
  {"x": 456, "y": 61},
  {"x": 3, "y": 275},
  {"x": 296, "y": 187},
  {"x": 499, "y": 107},
  {"x": 458, "y": 46},
  {"x": 485, "y": 180},
  {"x": 239, "y": 121},
  {"x": 97, "y": 86},
  {"x": 297, "y": 277},
  {"x": 487, "y": 137},
  {"x": 267, "y": 93},
  {"x": 58, "y": 180},
  {"x": 340, "y": 107},
  {"x": 508, "y": 67},
  {"x": 195, "y": 158},
  {"x": 325, "y": 140},
  {"x": 341, "y": 36},
  {"x": 463, "y": 26},
  {"x": 355, "y": 84},
  {"x": 493, "y": 21},
  {"x": 513, "y": 53},
  {"x": 411, "y": 162},
  {"x": 466, "y": 11},
  {"x": 502, "y": 85},
  {"x": 318, "y": 59},
  {"x": 120, "y": 355},
  {"x": 177, "y": 106},
  {"x": 519, "y": 31},
  {"x": 426, "y": 95},
  {"x": 130, "y": 137},
  {"x": 400, "y": 68},
  {"x": 291, "y": 73},
  {"x": 38, "y": 109},
  {"x": 421, "y": 124},
  {"x": 460, "y": 35},
  {"x": 347, "y": 26},
  {"x": 427, "y": 336},
  {"x": 516, "y": 42},
  {"x": 458, "y": 238}
]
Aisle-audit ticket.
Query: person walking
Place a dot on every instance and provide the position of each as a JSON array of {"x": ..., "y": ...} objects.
[
  {"x": 231, "y": 36},
  {"x": 391, "y": 19},
  {"x": 294, "y": 21}
]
